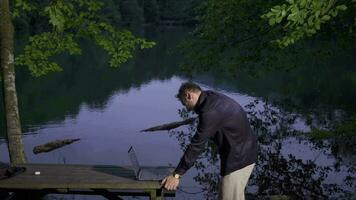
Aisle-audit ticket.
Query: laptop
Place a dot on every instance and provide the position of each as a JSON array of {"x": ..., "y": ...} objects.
[{"x": 148, "y": 173}]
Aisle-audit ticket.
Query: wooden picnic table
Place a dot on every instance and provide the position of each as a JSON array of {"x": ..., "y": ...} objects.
[{"x": 106, "y": 180}]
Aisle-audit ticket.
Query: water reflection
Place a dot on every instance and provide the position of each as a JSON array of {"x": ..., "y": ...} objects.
[
  {"x": 88, "y": 80},
  {"x": 318, "y": 84},
  {"x": 280, "y": 170}
]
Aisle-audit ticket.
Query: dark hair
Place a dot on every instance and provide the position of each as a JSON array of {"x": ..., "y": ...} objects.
[{"x": 187, "y": 86}]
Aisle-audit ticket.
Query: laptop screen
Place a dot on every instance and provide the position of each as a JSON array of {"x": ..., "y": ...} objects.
[{"x": 134, "y": 161}]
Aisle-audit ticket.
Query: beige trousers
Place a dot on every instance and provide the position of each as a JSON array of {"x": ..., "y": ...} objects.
[{"x": 232, "y": 186}]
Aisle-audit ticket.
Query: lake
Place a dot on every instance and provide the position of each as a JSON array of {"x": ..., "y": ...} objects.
[{"x": 106, "y": 108}]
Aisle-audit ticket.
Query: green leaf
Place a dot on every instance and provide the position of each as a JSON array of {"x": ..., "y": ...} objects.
[
  {"x": 292, "y": 17},
  {"x": 317, "y": 24},
  {"x": 341, "y": 7},
  {"x": 310, "y": 20},
  {"x": 303, "y": 3},
  {"x": 334, "y": 13},
  {"x": 271, "y": 21},
  {"x": 279, "y": 19},
  {"x": 275, "y": 9},
  {"x": 284, "y": 13},
  {"x": 317, "y": 13},
  {"x": 325, "y": 17}
]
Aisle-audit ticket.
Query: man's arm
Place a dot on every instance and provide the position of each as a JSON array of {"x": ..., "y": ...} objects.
[{"x": 206, "y": 129}]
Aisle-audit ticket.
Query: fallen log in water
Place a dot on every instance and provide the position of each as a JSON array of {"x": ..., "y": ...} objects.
[
  {"x": 170, "y": 126},
  {"x": 52, "y": 145}
]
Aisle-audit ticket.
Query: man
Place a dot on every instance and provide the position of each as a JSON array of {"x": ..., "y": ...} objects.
[{"x": 224, "y": 121}]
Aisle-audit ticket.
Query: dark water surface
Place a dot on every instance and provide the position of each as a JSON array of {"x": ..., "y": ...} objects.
[{"x": 106, "y": 108}]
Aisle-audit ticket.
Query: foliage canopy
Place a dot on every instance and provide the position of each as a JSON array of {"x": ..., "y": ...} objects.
[
  {"x": 233, "y": 35},
  {"x": 69, "y": 21}
]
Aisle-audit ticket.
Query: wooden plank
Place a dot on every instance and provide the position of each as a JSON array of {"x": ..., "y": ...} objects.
[
  {"x": 121, "y": 192},
  {"x": 76, "y": 176}
]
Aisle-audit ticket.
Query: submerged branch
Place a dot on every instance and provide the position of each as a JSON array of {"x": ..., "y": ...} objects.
[
  {"x": 170, "y": 126},
  {"x": 52, "y": 145}
]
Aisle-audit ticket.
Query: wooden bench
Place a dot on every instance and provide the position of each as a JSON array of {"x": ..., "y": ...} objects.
[{"x": 108, "y": 181}]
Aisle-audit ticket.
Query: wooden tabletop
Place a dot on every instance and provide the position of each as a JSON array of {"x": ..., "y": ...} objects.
[{"x": 57, "y": 176}]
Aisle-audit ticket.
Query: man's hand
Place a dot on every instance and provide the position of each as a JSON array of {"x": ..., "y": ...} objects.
[{"x": 170, "y": 183}]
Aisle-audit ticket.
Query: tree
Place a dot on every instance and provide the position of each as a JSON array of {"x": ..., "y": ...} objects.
[
  {"x": 230, "y": 35},
  {"x": 150, "y": 8},
  {"x": 132, "y": 12},
  {"x": 69, "y": 21},
  {"x": 234, "y": 35},
  {"x": 305, "y": 18},
  {"x": 13, "y": 126}
]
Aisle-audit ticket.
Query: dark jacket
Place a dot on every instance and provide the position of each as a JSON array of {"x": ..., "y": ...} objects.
[{"x": 225, "y": 122}]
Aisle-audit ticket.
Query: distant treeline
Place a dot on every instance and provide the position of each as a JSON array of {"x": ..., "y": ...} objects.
[
  {"x": 166, "y": 12},
  {"x": 127, "y": 12}
]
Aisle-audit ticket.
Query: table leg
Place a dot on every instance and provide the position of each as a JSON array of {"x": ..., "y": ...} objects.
[{"x": 156, "y": 194}]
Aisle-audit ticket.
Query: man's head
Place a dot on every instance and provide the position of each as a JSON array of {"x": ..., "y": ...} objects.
[{"x": 188, "y": 94}]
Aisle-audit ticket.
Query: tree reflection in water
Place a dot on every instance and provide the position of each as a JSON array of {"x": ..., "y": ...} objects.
[{"x": 277, "y": 172}]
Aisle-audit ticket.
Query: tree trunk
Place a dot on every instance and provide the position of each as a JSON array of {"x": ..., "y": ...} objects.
[{"x": 13, "y": 127}]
